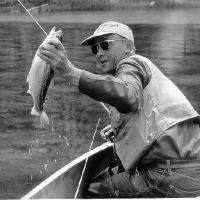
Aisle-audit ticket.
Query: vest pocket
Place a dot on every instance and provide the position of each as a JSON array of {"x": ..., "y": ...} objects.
[
  {"x": 151, "y": 125},
  {"x": 157, "y": 175},
  {"x": 177, "y": 192}
]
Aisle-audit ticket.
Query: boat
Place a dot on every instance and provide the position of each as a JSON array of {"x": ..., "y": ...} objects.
[{"x": 64, "y": 182}]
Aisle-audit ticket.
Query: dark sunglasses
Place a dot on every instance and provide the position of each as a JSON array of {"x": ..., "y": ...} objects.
[{"x": 105, "y": 45}]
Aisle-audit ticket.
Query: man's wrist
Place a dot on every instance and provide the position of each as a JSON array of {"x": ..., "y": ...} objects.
[{"x": 72, "y": 76}]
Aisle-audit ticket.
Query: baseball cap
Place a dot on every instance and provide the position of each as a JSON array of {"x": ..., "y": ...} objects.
[{"x": 107, "y": 28}]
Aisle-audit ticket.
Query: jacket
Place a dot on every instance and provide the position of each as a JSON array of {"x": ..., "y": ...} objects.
[
  {"x": 142, "y": 117},
  {"x": 162, "y": 105}
]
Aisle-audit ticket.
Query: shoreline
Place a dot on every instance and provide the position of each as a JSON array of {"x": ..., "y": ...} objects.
[
  {"x": 98, "y": 5},
  {"x": 143, "y": 16}
]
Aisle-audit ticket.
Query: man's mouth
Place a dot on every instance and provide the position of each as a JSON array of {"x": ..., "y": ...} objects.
[{"x": 103, "y": 62}]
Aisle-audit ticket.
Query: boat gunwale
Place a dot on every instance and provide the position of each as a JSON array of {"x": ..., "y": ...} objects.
[{"x": 64, "y": 169}]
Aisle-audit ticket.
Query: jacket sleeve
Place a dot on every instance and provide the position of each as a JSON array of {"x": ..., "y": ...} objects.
[{"x": 122, "y": 91}]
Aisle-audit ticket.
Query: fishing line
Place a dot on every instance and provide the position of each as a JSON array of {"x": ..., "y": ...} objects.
[
  {"x": 79, "y": 184},
  {"x": 33, "y": 18},
  {"x": 100, "y": 102},
  {"x": 52, "y": 127},
  {"x": 46, "y": 35},
  {"x": 104, "y": 106}
]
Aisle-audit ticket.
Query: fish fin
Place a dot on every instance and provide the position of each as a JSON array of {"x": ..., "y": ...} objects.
[
  {"x": 28, "y": 91},
  {"x": 44, "y": 118},
  {"x": 52, "y": 83},
  {"x": 35, "y": 112},
  {"x": 27, "y": 78}
]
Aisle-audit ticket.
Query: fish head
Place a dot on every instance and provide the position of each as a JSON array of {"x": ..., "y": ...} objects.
[
  {"x": 53, "y": 34},
  {"x": 57, "y": 34}
]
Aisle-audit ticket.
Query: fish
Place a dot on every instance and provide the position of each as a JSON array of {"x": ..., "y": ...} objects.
[{"x": 39, "y": 79}]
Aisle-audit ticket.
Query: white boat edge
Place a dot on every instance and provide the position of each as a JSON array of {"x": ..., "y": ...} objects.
[{"x": 61, "y": 171}]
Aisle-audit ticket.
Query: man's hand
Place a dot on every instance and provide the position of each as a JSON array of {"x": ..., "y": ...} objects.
[
  {"x": 54, "y": 53},
  {"x": 107, "y": 132}
]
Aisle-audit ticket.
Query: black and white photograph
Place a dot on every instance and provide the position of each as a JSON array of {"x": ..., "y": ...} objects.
[{"x": 99, "y": 99}]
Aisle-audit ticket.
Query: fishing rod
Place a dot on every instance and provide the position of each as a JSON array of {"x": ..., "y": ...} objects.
[
  {"x": 33, "y": 17},
  {"x": 80, "y": 180}
]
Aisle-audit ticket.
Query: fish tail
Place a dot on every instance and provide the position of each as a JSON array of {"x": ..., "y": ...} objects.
[
  {"x": 28, "y": 91},
  {"x": 44, "y": 119},
  {"x": 43, "y": 116},
  {"x": 27, "y": 78},
  {"x": 35, "y": 112}
]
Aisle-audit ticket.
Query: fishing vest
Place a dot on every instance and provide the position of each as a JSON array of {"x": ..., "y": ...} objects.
[{"x": 161, "y": 106}]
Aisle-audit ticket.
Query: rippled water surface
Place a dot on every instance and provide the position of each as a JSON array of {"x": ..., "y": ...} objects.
[{"x": 28, "y": 152}]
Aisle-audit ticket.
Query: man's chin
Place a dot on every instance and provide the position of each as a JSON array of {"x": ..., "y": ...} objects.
[
  {"x": 105, "y": 71},
  {"x": 105, "y": 68}
]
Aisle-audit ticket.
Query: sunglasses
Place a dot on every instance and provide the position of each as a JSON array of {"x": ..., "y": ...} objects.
[{"x": 105, "y": 45}]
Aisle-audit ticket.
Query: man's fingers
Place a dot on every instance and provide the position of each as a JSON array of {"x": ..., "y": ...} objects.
[
  {"x": 47, "y": 54},
  {"x": 48, "y": 60},
  {"x": 44, "y": 57},
  {"x": 106, "y": 128},
  {"x": 103, "y": 135},
  {"x": 49, "y": 47},
  {"x": 109, "y": 133},
  {"x": 58, "y": 45}
]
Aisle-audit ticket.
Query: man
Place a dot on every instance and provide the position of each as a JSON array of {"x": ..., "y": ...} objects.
[{"x": 154, "y": 128}]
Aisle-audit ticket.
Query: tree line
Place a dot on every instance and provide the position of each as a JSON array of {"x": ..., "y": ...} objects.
[{"x": 56, "y": 5}]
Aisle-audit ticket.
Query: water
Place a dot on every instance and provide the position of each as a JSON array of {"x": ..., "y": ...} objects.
[{"x": 29, "y": 152}]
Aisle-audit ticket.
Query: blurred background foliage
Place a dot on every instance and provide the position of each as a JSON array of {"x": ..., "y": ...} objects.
[{"x": 62, "y": 5}]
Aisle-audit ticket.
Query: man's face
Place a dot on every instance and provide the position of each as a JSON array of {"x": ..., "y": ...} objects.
[{"x": 108, "y": 59}]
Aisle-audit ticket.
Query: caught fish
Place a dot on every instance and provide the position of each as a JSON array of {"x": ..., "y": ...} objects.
[{"x": 39, "y": 78}]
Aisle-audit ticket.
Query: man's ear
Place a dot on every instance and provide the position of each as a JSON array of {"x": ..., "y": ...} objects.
[{"x": 129, "y": 46}]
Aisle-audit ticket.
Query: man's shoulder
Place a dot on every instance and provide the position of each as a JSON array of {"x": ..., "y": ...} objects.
[
  {"x": 134, "y": 60},
  {"x": 135, "y": 66}
]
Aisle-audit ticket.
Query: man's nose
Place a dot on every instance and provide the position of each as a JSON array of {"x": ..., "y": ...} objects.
[{"x": 100, "y": 51}]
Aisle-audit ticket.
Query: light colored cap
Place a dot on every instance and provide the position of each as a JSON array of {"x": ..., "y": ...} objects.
[{"x": 107, "y": 28}]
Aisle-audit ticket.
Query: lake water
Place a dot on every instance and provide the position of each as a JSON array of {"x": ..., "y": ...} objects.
[{"x": 28, "y": 152}]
